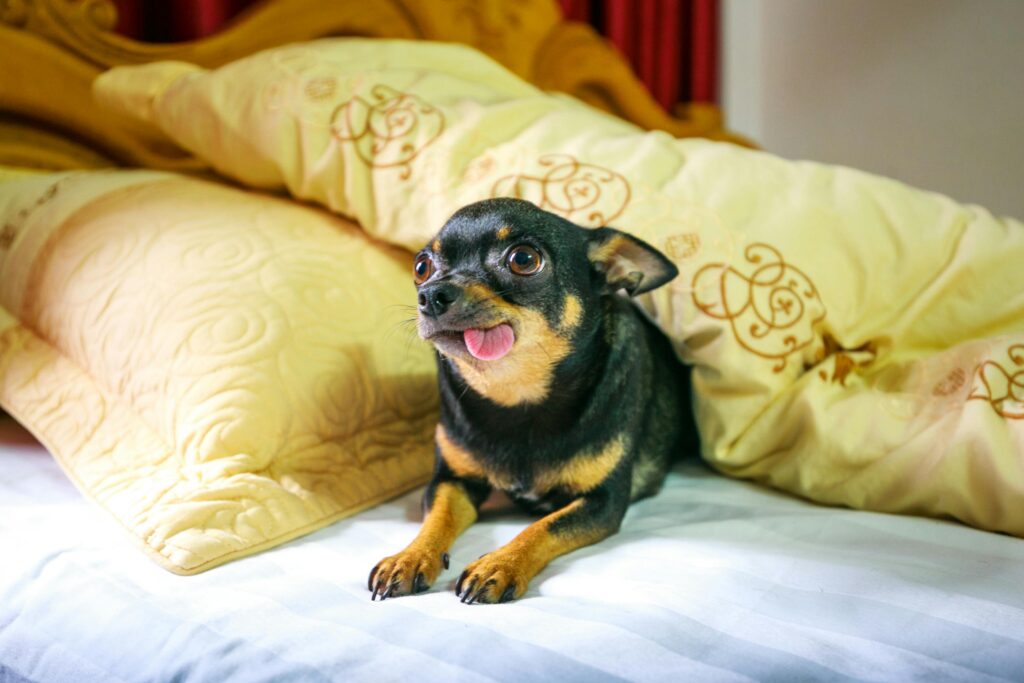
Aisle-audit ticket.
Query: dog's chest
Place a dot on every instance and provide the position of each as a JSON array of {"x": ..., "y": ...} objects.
[
  {"x": 541, "y": 503},
  {"x": 535, "y": 477},
  {"x": 525, "y": 478}
]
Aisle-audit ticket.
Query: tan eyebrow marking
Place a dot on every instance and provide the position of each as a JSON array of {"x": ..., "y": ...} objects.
[{"x": 503, "y": 232}]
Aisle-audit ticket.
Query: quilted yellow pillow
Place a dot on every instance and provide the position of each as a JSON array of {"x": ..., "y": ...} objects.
[{"x": 220, "y": 370}]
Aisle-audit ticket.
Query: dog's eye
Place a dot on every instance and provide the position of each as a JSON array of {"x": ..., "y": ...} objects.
[
  {"x": 524, "y": 260},
  {"x": 422, "y": 269}
]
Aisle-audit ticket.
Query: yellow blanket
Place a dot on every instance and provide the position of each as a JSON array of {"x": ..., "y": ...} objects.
[{"x": 855, "y": 340}]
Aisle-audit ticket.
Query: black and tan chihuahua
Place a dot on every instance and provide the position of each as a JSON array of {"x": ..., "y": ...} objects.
[{"x": 554, "y": 389}]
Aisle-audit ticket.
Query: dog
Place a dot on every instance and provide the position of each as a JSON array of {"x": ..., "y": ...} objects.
[{"x": 554, "y": 389}]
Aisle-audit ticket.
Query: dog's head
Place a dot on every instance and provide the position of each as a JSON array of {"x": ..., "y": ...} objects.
[{"x": 505, "y": 288}]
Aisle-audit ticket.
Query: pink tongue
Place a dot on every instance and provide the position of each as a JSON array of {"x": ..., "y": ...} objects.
[{"x": 489, "y": 344}]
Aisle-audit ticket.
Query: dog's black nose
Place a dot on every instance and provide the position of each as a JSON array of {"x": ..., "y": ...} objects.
[{"x": 437, "y": 299}]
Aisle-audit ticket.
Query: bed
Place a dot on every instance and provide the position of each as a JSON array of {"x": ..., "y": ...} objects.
[{"x": 715, "y": 578}]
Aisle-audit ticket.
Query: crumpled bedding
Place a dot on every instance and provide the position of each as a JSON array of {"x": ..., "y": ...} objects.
[
  {"x": 854, "y": 340},
  {"x": 220, "y": 370}
]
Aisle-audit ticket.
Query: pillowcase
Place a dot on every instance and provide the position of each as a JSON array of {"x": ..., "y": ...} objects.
[
  {"x": 856, "y": 341},
  {"x": 221, "y": 370}
]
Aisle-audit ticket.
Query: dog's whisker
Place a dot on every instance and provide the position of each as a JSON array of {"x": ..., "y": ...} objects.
[{"x": 404, "y": 327}]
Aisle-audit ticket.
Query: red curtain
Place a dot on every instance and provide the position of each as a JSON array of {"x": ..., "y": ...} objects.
[
  {"x": 672, "y": 44},
  {"x": 170, "y": 21}
]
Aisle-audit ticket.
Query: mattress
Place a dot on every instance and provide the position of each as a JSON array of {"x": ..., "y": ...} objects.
[{"x": 712, "y": 579}]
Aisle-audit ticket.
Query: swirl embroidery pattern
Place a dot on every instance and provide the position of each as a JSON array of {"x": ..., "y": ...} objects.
[
  {"x": 772, "y": 309},
  {"x": 586, "y": 194},
  {"x": 1002, "y": 387},
  {"x": 951, "y": 383},
  {"x": 683, "y": 246},
  {"x": 390, "y": 130}
]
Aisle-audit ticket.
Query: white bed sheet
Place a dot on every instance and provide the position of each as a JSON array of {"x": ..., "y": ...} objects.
[{"x": 712, "y": 579}]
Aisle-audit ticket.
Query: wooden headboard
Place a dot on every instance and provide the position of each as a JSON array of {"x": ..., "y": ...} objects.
[{"x": 53, "y": 49}]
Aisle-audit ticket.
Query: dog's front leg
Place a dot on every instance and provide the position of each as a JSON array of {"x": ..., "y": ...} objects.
[
  {"x": 450, "y": 506},
  {"x": 504, "y": 574}
]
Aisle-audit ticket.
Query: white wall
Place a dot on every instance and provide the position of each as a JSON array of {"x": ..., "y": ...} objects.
[{"x": 927, "y": 91}]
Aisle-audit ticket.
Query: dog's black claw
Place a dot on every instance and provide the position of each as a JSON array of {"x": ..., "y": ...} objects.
[
  {"x": 507, "y": 595},
  {"x": 445, "y": 559},
  {"x": 419, "y": 584},
  {"x": 483, "y": 589},
  {"x": 469, "y": 592},
  {"x": 369, "y": 582},
  {"x": 458, "y": 584},
  {"x": 376, "y": 590},
  {"x": 396, "y": 579}
]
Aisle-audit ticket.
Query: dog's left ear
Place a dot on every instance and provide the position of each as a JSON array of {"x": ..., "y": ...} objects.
[{"x": 627, "y": 262}]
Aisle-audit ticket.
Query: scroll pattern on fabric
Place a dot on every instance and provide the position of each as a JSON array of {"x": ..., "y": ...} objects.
[
  {"x": 1002, "y": 385},
  {"x": 772, "y": 306},
  {"x": 589, "y": 195},
  {"x": 389, "y": 130}
]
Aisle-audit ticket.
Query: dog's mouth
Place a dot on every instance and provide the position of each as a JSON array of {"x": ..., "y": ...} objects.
[{"x": 482, "y": 343}]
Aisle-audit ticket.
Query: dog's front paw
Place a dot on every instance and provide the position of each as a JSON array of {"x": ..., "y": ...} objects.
[
  {"x": 492, "y": 578},
  {"x": 411, "y": 571}
]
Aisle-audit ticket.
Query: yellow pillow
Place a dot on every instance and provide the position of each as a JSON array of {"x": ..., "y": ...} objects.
[
  {"x": 854, "y": 340},
  {"x": 222, "y": 371}
]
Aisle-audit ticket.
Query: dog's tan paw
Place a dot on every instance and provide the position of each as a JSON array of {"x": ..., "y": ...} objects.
[
  {"x": 492, "y": 579},
  {"x": 411, "y": 571}
]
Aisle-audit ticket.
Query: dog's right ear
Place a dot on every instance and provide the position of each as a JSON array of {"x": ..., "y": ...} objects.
[{"x": 627, "y": 262}]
